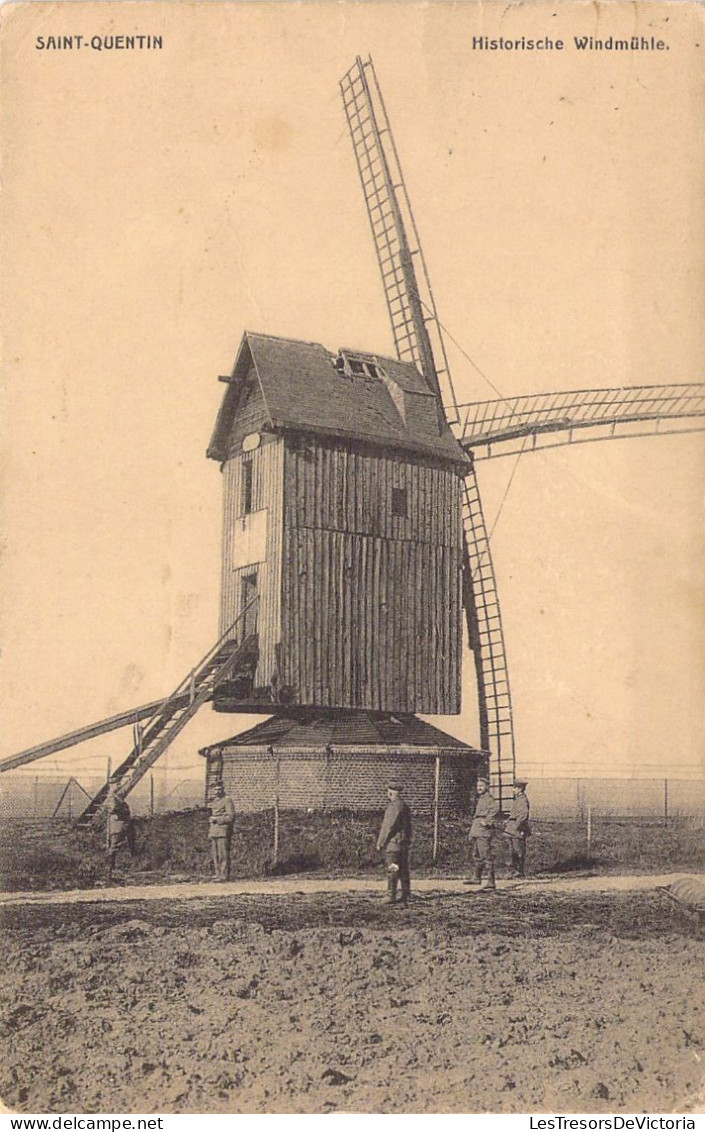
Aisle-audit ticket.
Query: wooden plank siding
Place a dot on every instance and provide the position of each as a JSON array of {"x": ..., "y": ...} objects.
[
  {"x": 371, "y": 601},
  {"x": 267, "y": 493},
  {"x": 337, "y": 488}
]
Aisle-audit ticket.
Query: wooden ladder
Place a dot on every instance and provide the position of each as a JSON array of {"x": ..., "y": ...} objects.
[{"x": 172, "y": 715}]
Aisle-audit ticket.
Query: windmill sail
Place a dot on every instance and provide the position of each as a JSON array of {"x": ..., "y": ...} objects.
[
  {"x": 407, "y": 288},
  {"x": 486, "y": 638},
  {"x": 545, "y": 420},
  {"x": 418, "y": 338}
]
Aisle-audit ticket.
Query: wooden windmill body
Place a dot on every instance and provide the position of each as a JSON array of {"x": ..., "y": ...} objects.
[
  {"x": 342, "y": 514},
  {"x": 343, "y": 561}
]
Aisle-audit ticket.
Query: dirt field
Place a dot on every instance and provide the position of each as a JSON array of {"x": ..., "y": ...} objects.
[{"x": 466, "y": 1003}]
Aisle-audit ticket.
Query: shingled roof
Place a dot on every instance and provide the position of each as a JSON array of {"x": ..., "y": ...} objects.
[
  {"x": 303, "y": 391},
  {"x": 338, "y": 730}
]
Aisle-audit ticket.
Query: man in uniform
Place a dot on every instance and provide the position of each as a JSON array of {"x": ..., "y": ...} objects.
[
  {"x": 395, "y": 841},
  {"x": 121, "y": 832},
  {"x": 220, "y": 832},
  {"x": 517, "y": 828},
  {"x": 481, "y": 836}
]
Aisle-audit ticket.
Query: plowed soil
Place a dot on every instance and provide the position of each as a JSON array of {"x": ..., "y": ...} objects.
[{"x": 467, "y": 1003}]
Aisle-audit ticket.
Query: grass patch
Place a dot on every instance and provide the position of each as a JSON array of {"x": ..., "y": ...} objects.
[{"x": 59, "y": 855}]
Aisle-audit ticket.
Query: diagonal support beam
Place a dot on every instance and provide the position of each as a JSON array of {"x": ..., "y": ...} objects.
[{"x": 81, "y": 735}]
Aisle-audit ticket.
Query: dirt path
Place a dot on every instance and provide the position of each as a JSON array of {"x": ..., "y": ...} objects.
[{"x": 286, "y": 886}]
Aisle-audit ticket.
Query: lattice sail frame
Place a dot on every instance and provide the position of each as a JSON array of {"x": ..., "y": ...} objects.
[
  {"x": 407, "y": 287},
  {"x": 546, "y": 420},
  {"x": 486, "y": 640},
  {"x": 419, "y": 339}
]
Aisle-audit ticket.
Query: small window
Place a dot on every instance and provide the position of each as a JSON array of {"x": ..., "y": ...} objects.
[
  {"x": 246, "y": 496},
  {"x": 399, "y": 502},
  {"x": 353, "y": 365}
]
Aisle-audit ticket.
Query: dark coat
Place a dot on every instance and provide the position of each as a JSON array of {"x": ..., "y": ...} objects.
[
  {"x": 222, "y": 815},
  {"x": 485, "y": 817},
  {"x": 395, "y": 832},
  {"x": 119, "y": 817},
  {"x": 517, "y": 824}
]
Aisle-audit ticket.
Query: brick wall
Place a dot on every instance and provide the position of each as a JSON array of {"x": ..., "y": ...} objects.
[{"x": 254, "y": 777}]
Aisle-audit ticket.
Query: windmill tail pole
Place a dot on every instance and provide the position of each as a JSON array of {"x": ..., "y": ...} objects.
[{"x": 73, "y": 738}]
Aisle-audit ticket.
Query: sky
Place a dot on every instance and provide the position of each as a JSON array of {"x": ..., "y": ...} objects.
[{"x": 158, "y": 203}]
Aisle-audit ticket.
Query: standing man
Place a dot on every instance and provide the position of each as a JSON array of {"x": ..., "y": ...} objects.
[
  {"x": 481, "y": 836},
  {"x": 220, "y": 832},
  {"x": 517, "y": 828},
  {"x": 395, "y": 841},
  {"x": 121, "y": 832}
]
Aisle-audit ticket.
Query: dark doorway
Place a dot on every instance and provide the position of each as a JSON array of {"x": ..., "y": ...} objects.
[{"x": 248, "y": 604}]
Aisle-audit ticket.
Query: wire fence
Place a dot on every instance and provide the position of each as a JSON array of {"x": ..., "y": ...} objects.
[
  {"x": 566, "y": 799},
  {"x": 24, "y": 796}
]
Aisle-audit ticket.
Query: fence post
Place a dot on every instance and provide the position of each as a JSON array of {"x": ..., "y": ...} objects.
[
  {"x": 436, "y": 797},
  {"x": 589, "y": 828},
  {"x": 665, "y": 801},
  {"x": 71, "y": 782},
  {"x": 275, "y": 850},
  {"x": 151, "y": 794}
]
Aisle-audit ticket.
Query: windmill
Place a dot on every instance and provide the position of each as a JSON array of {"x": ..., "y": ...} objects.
[{"x": 354, "y": 534}]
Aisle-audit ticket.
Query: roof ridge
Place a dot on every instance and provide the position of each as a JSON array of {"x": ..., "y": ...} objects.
[
  {"x": 350, "y": 349},
  {"x": 284, "y": 338}
]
